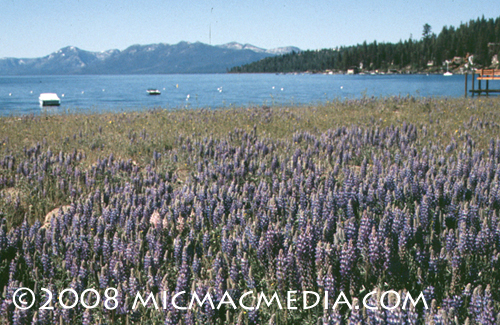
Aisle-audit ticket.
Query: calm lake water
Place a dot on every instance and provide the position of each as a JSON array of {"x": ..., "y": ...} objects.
[{"x": 19, "y": 95}]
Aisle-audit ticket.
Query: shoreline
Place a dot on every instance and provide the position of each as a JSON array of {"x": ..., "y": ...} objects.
[{"x": 90, "y": 129}]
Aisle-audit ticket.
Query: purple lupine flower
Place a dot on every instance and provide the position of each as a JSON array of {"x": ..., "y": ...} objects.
[
  {"x": 234, "y": 271},
  {"x": 374, "y": 255},
  {"x": 347, "y": 259},
  {"x": 450, "y": 240},
  {"x": 335, "y": 318},
  {"x": 351, "y": 229},
  {"x": 87, "y": 318}
]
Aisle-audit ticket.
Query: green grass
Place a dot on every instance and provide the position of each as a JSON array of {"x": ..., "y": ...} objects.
[{"x": 135, "y": 135}]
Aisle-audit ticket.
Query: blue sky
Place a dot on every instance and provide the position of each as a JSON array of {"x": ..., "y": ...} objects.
[{"x": 33, "y": 28}]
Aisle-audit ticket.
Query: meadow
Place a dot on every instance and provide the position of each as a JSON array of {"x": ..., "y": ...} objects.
[{"x": 398, "y": 193}]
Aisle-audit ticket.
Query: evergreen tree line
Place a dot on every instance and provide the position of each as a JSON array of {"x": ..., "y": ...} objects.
[{"x": 480, "y": 38}]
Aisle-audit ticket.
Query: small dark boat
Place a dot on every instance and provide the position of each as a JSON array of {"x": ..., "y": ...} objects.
[{"x": 152, "y": 91}]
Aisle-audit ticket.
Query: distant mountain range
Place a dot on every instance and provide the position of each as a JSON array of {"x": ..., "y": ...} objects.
[{"x": 183, "y": 57}]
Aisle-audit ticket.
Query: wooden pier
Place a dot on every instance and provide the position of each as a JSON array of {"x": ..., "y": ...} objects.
[{"x": 486, "y": 75}]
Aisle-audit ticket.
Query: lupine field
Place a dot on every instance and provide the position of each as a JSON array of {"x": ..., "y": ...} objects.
[{"x": 396, "y": 193}]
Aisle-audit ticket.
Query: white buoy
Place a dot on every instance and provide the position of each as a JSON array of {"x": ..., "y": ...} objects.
[
  {"x": 281, "y": 89},
  {"x": 341, "y": 87},
  {"x": 10, "y": 94},
  {"x": 103, "y": 89},
  {"x": 62, "y": 95},
  {"x": 31, "y": 92},
  {"x": 83, "y": 92},
  {"x": 273, "y": 87}
]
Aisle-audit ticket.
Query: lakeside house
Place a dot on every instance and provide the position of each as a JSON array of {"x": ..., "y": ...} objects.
[
  {"x": 352, "y": 70},
  {"x": 494, "y": 60},
  {"x": 458, "y": 60}
]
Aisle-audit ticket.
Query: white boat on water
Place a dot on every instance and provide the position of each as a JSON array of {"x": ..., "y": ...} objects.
[
  {"x": 447, "y": 73},
  {"x": 152, "y": 91},
  {"x": 49, "y": 99}
]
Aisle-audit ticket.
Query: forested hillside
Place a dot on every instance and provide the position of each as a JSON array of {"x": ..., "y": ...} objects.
[{"x": 480, "y": 38}]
